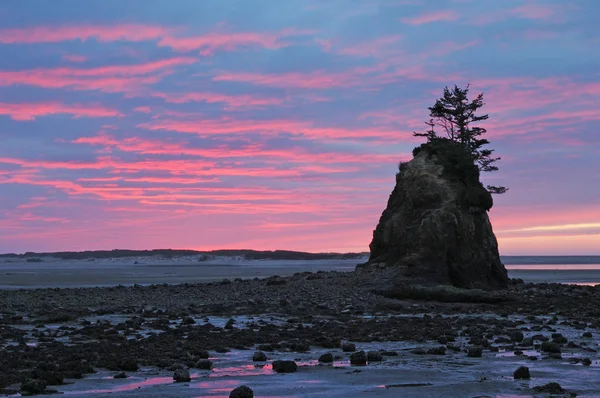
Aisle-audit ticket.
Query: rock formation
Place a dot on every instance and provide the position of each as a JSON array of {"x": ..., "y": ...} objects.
[{"x": 435, "y": 227}]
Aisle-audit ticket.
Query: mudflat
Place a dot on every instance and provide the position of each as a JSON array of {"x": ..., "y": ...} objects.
[
  {"x": 432, "y": 341},
  {"x": 50, "y": 272}
]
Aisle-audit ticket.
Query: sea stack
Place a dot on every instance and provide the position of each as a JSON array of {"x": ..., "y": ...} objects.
[{"x": 435, "y": 228}]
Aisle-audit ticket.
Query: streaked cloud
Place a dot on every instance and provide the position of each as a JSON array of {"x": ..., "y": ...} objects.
[{"x": 172, "y": 126}]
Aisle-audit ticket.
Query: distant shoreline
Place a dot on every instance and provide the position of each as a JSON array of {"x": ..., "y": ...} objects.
[{"x": 248, "y": 254}]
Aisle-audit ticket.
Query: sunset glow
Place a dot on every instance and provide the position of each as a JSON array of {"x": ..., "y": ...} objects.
[{"x": 280, "y": 125}]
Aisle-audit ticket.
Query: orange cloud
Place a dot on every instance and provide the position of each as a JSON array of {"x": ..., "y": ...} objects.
[{"x": 29, "y": 111}]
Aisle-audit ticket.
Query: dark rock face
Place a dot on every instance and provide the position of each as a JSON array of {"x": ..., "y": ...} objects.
[{"x": 435, "y": 227}]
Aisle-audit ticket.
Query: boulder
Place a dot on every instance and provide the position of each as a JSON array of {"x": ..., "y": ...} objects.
[
  {"x": 33, "y": 387},
  {"x": 435, "y": 227},
  {"x": 182, "y": 376},
  {"x": 326, "y": 358},
  {"x": 550, "y": 347},
  {"x": 259, "y": 356},
  {"x": 475, "y": 352},
  {"x": 280, "y": 366},
  {"x": 242, "y": 392},
  {"x": 358, "y": 358},
  {"x": 522, "y": 373},
  {"x": 374, "y": 356},
  {"x": 204, "y": 364},
  {"x": 348, "y": 347}
]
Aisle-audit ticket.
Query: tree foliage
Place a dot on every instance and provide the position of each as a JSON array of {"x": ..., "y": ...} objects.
[{"x": 455, "y": 115}]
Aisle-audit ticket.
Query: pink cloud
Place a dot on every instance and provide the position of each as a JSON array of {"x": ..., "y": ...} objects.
[
  {"x": 29, "y": 111},
  {"x": 142, "y": 109},
  {"x": 74, "y": 58},
  {"x": 208, "y": 43},
  {"x": 232, "y": 101},
  {"x": 53, "y": 34},
  {"x": 114, "y": 78},
  {"x": 157, "y": 147},
  {"x": 206, "y": 127},
  {"x": 536, "y": 11},
  {"x": 435, "y": 16}
]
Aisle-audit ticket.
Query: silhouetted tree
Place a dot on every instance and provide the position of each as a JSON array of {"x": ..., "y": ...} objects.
[{"x": 455, "y": 115}]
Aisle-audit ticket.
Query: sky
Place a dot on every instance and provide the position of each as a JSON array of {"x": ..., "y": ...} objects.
[{"x": 268, "y": 125}]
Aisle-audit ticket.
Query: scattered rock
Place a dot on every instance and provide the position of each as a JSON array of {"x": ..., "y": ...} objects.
[
  {"x": 242, "y": 392},
  {"x": 475, "y": 352},
  {"x": 204, "y": 364},
  {"x": 259, "y": 356},
  {"x": 550, "y": 388},
  {"x": 358, "y": 358},
  {"x": 326, "y": 358},
  {"x": 33, "y": 387},
  {"x": 182, "y": 376},
  {"x": 374, "y": 356},
  {"x": 348, "y": 347},
  {"x": 551, "y": 347},
  {"x": 437, "y": 351},
  {"x": 281, "y": 366},
  {"x": 522, "y": 373}
]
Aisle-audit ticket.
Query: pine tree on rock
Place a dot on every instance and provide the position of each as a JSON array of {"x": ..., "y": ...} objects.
[{"x": 455, "y": 115}]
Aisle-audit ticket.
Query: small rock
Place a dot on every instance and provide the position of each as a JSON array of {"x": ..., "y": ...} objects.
[
  {"x": 551, "y": 347},
  {"x": 475, "y": 352},
  {"x": 527, "y": 342},
  {"x": 32, "y": 387},
  {"x": 358, "y": 358},
  {"x": 281, "y": 366},
  {"x": 182, "y": 376},
  {"x": 586, "y": 362},
  {"x": 437, "y": 351},
  {"x": 188, "y": 321},
  {"x": 374, "y": 356},
  {"x": 587, "y": 335},
  {"x": 326, "y": 358},
  {"x": 229, "y": 324},
  {"x": 259, "y": 356},
  {"x": 551, "y": 388},
  {"x": 203, "y": 354},
  {"x": 204, "y": 364},
  {"x": 121, "y": 375},
  {"x": 516, "y": 336},
  {"x": 242, "y": 392},
  {"x": 522, "y": 373},
  {"x": 348, "y": 347}
]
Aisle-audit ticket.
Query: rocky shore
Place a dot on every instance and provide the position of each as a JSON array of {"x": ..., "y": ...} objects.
[{"x": 53, "y": 336}]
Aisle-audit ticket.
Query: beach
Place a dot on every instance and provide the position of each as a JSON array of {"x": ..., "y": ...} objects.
[{"x": 143, "y": 319}]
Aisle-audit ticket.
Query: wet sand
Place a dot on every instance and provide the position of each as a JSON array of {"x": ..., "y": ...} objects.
[
  {"x": 64, "y": 274},
  {"x": 88, "y": 335}
]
